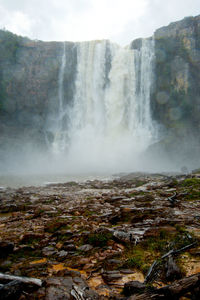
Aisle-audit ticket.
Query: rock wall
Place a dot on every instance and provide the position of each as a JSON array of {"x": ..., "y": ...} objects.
[
  {"x": 176, "y": 96},
  {"x": 29, "y": 87}
]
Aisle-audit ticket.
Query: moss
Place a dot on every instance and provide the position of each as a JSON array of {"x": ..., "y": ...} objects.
[
  {"x": 89, "y": 213},
  {"x": 191, "y": 182},
  {"x": 142, "y": 255},
  {"x": 24, "y": 253},
  {"x": 99, "y": 239},
  {"x": 9, "y": 44},
  {"x": 158, "y": 243},
  {"x": 5, "y": 267},
  {"x": 192, "y": 188},
  {"x": 193, "y": 195},
  {"x": 173, "y": 183},
  {"x": 138, "y": 258}
]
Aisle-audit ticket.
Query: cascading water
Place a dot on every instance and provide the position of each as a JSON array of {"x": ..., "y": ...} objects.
[
  {"x": 110, "y": 121},
  {"x": 59, "y": 131}
]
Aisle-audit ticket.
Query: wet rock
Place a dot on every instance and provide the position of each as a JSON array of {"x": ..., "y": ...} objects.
[
  {"x": 69, "y": 247},
  {"x": 66, "y": 287},
  {"x": 6, "y": 248},
  {"x": 88, "y": 266},
  {"x": 110, "y": 276},
  {"x": 121, "y": 236},
  {"x": 133, "y": 287},
  {"x": 126, "y": 271},
  {"x": 58, "y": 293},
  {"x": 25, "y": 248},
  {"x": 84, "y": 261},
  {"x": 115, "y": 199},
  {"x": 70, "y": 273},
  {"x": 114, "y": 219},
  {"x": 62, "y": 254},
  {"x": 85, "y": 248},
  {"x": 48, "y": 251},
  {"x": 29, "y": 237},
  {"x": 114, "y": 261}
]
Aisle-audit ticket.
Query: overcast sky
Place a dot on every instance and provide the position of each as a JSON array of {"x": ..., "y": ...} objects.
[{"x": 77, "y": 20}]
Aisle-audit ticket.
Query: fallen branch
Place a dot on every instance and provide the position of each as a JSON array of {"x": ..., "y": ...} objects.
[
  {"x": 173, "y": 291},
  {"x": 172, "y": 199},
  {"x": 11, "y": 290},
  {"x": 78, "y": 293},
  {"x": 27, "y": 280},
  {"x": 152, "y": 269}
]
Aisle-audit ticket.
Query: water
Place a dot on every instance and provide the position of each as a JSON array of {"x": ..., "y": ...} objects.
[
  {"x": 27, "y": 180},
  {"x": 110, "y": 122},
  {"x": 60, "y": 133}
]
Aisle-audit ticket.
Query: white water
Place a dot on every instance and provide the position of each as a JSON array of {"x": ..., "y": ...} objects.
[
  {"x": 110, "y": 121},
  {"x": 60, "y": 133}
]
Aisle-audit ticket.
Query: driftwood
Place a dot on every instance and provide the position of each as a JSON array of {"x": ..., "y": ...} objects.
[
  {"x": 77, "y": 293},
  {"x": 83, "y": 293},
  {"x": 26, "y": 280},
  {"x": 173, "y": 291},
  {"x": 11, "y": 290},
  {"x": 172, "y": 199},
  {"x": 152, "y": 269}
]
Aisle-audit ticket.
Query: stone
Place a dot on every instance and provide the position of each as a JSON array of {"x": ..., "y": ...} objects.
[
  {"x": 62, "y": 254},
  {"x": 6, "y": 248},
  {"x": 65, "y": 287},
  {"x": 111, "y": 276},
  {"x": 29, "y": 237},
  {"x": 114, "y": 261},
  {"x": 69, "y": 247},
  {"x": 85, "y": 248},
  {"x": 48, "y": 251},
  {"x": 121, "y": 236},
  {"x": 57, "y": 293},
  {"x": 84, "y": 261},
  {"x": 88, "y": 266},
  {"x": 133, "y": 287}
]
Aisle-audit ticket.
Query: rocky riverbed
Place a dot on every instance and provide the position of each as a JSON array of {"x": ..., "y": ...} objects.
[{"x": 90, "y": 240}]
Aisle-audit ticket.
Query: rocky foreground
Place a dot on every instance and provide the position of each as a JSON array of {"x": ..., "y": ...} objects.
[{"x": 135, "y": 237}]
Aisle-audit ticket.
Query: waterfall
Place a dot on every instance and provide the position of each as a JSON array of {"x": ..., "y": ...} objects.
[
  {"x": 110, "y": 122},
  {"x": 60, "y": 80},
  {"x": 60, "y": 135}
]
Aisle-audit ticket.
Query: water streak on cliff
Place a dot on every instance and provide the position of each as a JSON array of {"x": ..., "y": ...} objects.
[{"x": 60, "y": 134}]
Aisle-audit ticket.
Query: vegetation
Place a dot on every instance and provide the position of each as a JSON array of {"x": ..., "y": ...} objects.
[
  {"x": 99, "y": 239},
  {"x": 9, "y": 44},
  {"x": 191, "y": 182},
  {"x": 152, "y": 248}
]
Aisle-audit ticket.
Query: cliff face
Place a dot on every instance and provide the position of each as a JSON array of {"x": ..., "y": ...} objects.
[
  {"x": 29, "y": 73},
  {"x": 176, "y": 96},
  {"x": 177, "y": 73},
  {"x": 29, "y": 86}
]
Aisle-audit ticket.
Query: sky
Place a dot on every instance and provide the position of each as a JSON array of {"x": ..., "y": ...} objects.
[{"x": 121, "y": 21}]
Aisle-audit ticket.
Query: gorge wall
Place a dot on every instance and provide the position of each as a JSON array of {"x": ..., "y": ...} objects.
[{"x": 41, "y": 84}]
